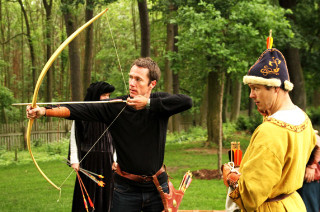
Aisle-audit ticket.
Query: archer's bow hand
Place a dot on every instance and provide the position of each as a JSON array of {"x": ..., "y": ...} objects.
[
  {"x": 34, "y": 113},
  {"x": 139, "y": 102},
  {"x": 230, "y": 175}
]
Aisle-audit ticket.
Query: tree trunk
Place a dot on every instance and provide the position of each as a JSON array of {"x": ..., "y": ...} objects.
[
  {"x": 176, "y": 119},
  {"x": 145, "y": 28},
  {"x": 204, "y": 108},
  {"x": 236, "y": 100},
  {"x": 214, "y": 121},
  {"x": 6, "y": 57},
  {"x": 2, "y": 38},
  {"x": 24, "y": 91},
  {"x": 287, "y": 4},
  {"x": 292, "y": 56},
  {"x": 74, "y": 55},
  {"x": 30, "y": 43},
  {"x": 64, "y": 68},
  {"x": 168, "y": 76},
  {"x": 298, "y": 94},
  {"x": 48, "y": 8},
  {"x": 87, "y": 67},
  {"x": 226, "y": 99},
  {"x": 134, "y": 25}
]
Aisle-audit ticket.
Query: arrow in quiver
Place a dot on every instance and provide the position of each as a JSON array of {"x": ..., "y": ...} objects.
[{"x": 235, "y": 153}]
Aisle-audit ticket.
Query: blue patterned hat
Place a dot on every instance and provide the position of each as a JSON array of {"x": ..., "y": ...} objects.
[{"x": 270, "y": 70}]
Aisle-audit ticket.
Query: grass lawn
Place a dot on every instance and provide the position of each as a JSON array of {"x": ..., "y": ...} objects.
[
  {"x": 202, "y": 194},
  {"x": 24, "y": 189}
]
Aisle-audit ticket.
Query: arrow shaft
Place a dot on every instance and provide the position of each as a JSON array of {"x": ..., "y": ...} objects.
[{"x": 70, "y": 103}]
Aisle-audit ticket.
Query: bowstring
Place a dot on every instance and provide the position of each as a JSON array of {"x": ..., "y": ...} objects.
[
  {"x": 104, "y": 132},
  {"x": 118, "y": 58},
  {"x": 125, "y": 84}
]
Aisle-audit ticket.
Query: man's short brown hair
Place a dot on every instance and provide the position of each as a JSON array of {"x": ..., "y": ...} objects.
[{"x": 147, "y": 62}]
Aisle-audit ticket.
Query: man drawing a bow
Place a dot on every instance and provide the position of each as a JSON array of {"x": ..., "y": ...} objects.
[{"x": 138, "y": 128}]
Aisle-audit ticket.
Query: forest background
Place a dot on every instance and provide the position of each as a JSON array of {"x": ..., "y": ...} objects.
[{"x": 202, "y": 47}]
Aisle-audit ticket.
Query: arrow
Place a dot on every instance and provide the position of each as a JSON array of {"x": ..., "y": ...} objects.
[{"x": 70, "y": 103}]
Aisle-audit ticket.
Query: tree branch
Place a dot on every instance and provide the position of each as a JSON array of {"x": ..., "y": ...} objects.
[{"x": 13, "y": 37}]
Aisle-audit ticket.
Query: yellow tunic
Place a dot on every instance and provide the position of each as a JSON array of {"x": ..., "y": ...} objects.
[{"x": 274, "y": 164}]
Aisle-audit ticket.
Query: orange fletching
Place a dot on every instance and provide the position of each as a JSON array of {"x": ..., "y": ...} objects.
[{"x": 101, "y": 183}]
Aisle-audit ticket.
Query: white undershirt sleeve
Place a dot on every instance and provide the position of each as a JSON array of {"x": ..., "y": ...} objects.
[{"x": 73, "y": 146}]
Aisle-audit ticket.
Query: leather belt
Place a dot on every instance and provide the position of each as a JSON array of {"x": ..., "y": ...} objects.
[
  {"x": 278, "y": 198},
  {"x": 139, "y": 178}
]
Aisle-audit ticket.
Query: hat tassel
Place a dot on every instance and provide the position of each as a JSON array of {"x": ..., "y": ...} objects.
[{"x": 270, "y": 40}]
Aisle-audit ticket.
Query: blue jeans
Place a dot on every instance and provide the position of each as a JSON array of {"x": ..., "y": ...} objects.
[
  {"x": 310, "y": 193},
  {"x": 128, "y": 198}
]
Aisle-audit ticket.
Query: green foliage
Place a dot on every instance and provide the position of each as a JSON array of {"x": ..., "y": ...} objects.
[
  {"x": 37, "y": 143},
  {"x": 314, "y": 115},
  {"x": 120, "y": 21},
  {"x": 54, "y": 150},
  {"x": 305, "y": 26},
  {"x": 225, "y": 36},
  {"x": 4, "y": 64},
  {"x": 249, "y": 123},
  {"x": 7, "y": 111},
  {"x": 231, "y": 134},
  {"x": 193, "y": 134},
  {"x": 2, "y": 151},
  {"x": 6, "y": 97},
  {"x": 305, "y": 22},
  {"x": 42, "y": 152},
  {"x": 199, "y": 135}
]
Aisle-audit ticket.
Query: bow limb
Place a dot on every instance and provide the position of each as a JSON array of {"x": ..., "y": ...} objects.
[{"x": 40, "y": 79}]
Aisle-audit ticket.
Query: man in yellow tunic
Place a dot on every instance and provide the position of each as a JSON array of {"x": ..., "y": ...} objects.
[{"x": 273, "y": 166}]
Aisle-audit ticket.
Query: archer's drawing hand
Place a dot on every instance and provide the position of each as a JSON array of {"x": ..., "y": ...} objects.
[
  {"x": 34, "y": 113},
  {"x": 75, "y": 166},
  {"x": 138, "y": 102},
  {"x": 114, "y": 166}
]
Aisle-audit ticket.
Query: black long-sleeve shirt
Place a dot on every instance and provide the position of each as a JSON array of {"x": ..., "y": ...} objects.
[{"x": 139, "y": 136}]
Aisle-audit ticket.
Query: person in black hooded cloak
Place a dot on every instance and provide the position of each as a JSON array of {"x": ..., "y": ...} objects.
[{"x": 100, "y": 158}]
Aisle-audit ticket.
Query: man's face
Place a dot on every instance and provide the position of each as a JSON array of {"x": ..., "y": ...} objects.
[
  {"x": 104, "y": 96},
  {"x": 265, "y": 99},
  {"x": 139, "y": 82}
]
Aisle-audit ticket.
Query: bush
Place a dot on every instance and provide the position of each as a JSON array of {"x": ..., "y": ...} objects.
[
  {"x": 37, "y": 143},
  {"x": 249, "y": 123},
  {"x": 192, "y": 134},
  {"x": 230, "y": 134},
  {"x": 314, "y": 115}
]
